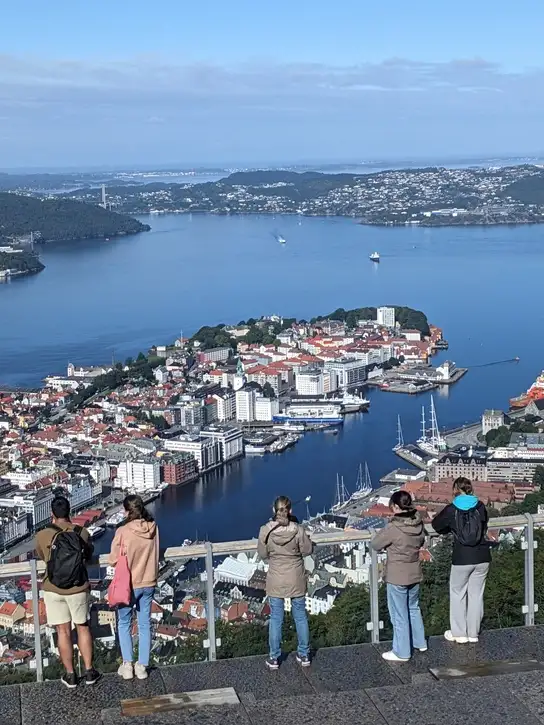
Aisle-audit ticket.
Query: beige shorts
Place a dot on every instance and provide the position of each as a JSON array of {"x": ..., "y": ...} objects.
[{"x": 63, "y": 608}]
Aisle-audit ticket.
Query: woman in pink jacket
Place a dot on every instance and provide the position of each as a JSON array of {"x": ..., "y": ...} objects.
[{"x": 139, "y": 537}]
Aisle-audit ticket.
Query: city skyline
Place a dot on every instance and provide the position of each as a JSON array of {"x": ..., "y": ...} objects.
[{"x": 129, "y": 85}]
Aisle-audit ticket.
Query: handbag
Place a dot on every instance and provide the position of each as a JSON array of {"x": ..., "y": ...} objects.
[{"x": 120, "y": 589}]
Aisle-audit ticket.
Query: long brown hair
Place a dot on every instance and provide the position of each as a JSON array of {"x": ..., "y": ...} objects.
[
  {"x": 282, "y": 510},
  {"x": 135, "y": 508}
]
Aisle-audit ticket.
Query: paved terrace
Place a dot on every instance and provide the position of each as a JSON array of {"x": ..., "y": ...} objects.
[{"x": 344, "y": 685}]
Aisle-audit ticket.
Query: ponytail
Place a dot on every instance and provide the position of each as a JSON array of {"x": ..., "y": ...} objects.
[
  {"x": 282, "y": 510},
  {"x": 135, "y": 508}
]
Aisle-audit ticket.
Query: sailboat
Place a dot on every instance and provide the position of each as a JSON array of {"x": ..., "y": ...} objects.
[
  {"x": 363, "y": 486},
  {"x": 433, "y": 443},
  {"x": 400, "y": 436},
  {"x": 342, "y": 495}
]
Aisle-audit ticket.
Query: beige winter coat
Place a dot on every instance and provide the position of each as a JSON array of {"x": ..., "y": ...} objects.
[
  {"x": 284, "y": 547},
  {"x": 402, "y": 539}
]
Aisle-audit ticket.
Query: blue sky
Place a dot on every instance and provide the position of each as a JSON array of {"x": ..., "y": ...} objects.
[{"x": 124, "y": 82}]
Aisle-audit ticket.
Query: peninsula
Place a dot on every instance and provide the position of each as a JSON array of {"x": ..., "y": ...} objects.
[
  {"x": 59, "y": 219},
  {"x": 433, "y": 196}
]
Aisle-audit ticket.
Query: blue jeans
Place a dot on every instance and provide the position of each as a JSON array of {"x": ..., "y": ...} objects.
[
  {"x": 141, "y": 599},
  {"x": 298, "y": 608},
  {"x": 408, "y": 629}
]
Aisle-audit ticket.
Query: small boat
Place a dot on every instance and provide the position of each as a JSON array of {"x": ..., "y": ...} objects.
[
  {"x": 281, "y": 239},
  {"x": 95, "y": 531},
  {"x": 375, "y": 257}
]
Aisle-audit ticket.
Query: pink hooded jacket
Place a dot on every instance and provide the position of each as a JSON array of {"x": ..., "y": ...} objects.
[{"x": 141, "y": 540}]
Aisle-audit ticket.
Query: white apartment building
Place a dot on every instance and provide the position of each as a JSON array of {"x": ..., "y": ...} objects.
[
  {"x": 315, "y": 381},
  {"x": 139, "y": 475},
  {"x": 13, "y": 526},
  {"x": 82, "y": 491},
  {"x": 35, "y": 504},
  {"x": 22, "y": 479},
  {"x": 229, "y": 438},
  {"x": 491, "y": 420},
  {"x": 206, "y": 451},
  {"x": 266, "y": 408},
  {"x": 226, "y": 405},
  {"x": 386, "y": 316},
  {"x": 191, "y": 414},
  {"x": 349, "y": 372},
  {"x": 245, "y": 404}
]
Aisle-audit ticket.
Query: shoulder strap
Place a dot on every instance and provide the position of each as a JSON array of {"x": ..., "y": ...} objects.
[
  {"x": 277, "y": 526},
  {"x": 54, "y": 527},
  {"x": 78, "y": 529}
]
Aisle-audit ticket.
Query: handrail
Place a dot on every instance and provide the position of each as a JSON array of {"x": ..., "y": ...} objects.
[{"x": 224, "y": 548}]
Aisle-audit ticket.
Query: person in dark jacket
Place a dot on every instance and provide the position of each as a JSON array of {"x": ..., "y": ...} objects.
[
  {"x": 466, "y": 518},
  {"x": 284, "y": 543},
  {"x": 402, "y": 539}
]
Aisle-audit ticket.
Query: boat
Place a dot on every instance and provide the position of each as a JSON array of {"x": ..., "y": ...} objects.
[
  {"x": 535, "y": 392},
  {"x": 311, "y": 413},
  {"x": 342, "y": 495},
  {"x": 332, "y": 431},
  {"x": 375, "y": 257},
  {"x": 294, "y": 427},
  {"x": 363, "y": 486},
  {"x": 115, "y": 519},
  {"x": 254, "y": 448},
  {"x": 433, "y": 443},
  {"x": 281, "y": 239},
  {"x": 95, "y": 530}
]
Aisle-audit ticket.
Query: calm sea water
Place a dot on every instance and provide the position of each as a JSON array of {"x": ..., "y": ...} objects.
[{"x": 98, "y": 299}]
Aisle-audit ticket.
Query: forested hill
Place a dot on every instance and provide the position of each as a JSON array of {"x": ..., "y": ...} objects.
[{"x": 61, "y": 219}]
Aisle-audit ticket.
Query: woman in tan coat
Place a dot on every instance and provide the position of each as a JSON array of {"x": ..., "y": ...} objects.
[
  {"x": 284, "y": 543},
  {"x": 402, "y": 539}
]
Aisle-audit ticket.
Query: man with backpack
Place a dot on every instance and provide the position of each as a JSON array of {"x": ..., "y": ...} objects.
[
  {"x": 466, "y": 518},
  {"x": 66, "y": 549}
]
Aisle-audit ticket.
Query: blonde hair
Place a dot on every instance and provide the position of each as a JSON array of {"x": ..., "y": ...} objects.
[{"x": 282, "y": 510}]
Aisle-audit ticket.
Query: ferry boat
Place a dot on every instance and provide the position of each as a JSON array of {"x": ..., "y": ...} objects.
[
  {"x": 375, "y": 257},
  {"x": 535, "y": 392},
  {"x": 115, "y": 519},
  {"x": 255, "y": 448},
  {"x": 311, "y": 413}
]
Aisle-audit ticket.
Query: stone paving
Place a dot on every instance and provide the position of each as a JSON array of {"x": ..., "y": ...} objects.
[{"x": 344, "y": 685}]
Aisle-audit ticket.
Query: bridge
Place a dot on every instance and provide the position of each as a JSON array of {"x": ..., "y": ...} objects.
[{"x": 500, "y": 679}]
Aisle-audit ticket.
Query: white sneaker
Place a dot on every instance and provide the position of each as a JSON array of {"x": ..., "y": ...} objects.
[
  {"x": 392, "y": 657},
  {"x": 450, "y": 638},
  {"x": 140, "y": 671},
  {"x": 473, "y": 639},
  {"x": 423, "y": 649},
  {"x": 126, "y": 671}
]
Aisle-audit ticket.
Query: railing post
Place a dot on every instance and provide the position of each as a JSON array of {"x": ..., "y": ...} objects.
[
  {"x": 211, "y": 642},
  {"x": 529, "y": 545},
  {"x": 374, "y": 625},
  {"x": 36, "y": 616}
]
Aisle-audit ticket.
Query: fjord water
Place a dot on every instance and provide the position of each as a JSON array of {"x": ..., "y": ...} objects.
[{"x": 96, "y": 299}]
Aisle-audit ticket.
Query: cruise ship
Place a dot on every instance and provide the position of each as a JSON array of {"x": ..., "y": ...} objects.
[{"x": 535, "y": 392}]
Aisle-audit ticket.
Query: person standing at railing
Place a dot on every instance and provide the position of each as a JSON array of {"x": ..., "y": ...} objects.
[
  {"x": 138, "y": 540},
  {"x": 402, "y": 540},
  {"x": 284, "y": 543},
  {"x": 466, "y": 518},
  {"x": 66, "y": 550}
]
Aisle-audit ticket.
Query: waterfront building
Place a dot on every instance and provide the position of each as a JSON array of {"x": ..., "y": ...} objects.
[
  {"x": 452, "y": 465},
  {"x": 491, "y": 420},
  {"x": 141, "y": 475},
  {"x": 245, "y": 404},
  {"x": 386, "y": 316},
  {"x": 349, "y": 372},
  {"x": 205, "y": 450},
  {"x": 178, "y": 468},
  {"x": 226, "y": 405},
  {"x": 315, "y": 381},
  {"x": 446, "y": 370},
  {"x": 229, "y": 438},
  {"x": 266, "y": 408},
  {"x": 516, "y": 470}
]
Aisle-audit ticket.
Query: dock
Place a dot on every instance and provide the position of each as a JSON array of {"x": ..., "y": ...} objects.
[{"x": 414, "y": 455}]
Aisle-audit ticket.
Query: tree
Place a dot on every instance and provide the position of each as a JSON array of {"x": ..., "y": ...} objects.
[
  {"x": 268, "y": 391},
  {"x": 498, "y": 437},
  {"x": 141, "y": 357},
  {"x": 538, "y": 477}
]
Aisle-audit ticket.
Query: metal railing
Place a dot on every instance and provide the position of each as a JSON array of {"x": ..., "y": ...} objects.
[{"x": 209, "y": 550}]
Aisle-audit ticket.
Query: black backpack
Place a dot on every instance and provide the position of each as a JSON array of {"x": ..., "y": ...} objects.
[
  {"x": 469, "y": 527},
  {"x": 66, "y": 566}
]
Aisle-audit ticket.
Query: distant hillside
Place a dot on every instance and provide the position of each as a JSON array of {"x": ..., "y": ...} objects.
[
  {"x": 61, "y": 219},
  {"x": 20, "y": 263}
]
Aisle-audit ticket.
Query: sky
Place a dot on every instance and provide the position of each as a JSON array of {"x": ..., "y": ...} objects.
[{"x": 124, "y": 83}]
